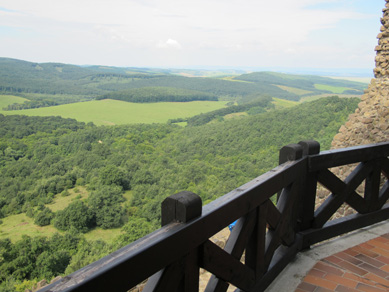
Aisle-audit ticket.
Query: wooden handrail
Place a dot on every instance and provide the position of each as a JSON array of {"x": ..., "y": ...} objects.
[{"x": 269, "y": 235}]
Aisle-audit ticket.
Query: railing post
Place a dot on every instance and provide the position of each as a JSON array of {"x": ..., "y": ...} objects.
[
  {"x": 308, "y": 197},
  {"x": 181, "y": 207},
  {"x": 182, "y": 275},
  {"x": 289, "y": 152}
]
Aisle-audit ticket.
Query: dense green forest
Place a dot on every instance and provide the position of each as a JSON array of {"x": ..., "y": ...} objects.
[
  {"x": 158, "y": 94},
  {"x": 306, "y": 82},
  {"x": 44, "y": 158},
  {"x": 48, "y": 84}
]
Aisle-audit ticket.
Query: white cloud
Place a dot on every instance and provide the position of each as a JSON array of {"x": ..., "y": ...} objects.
[
  {"x": 239, "y": 30},
  {"x": 169, "y": 44}
]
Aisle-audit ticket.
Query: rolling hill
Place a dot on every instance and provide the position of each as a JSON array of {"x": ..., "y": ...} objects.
[{"x": 48, "y": 84}]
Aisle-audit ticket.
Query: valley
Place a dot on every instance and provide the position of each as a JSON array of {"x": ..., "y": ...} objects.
[{"x": 84, "y": 170}]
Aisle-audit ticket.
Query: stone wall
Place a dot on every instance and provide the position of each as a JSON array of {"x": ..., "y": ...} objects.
[{"x": 370, "y": 121}]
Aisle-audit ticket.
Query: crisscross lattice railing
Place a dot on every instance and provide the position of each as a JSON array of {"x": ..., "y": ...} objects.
[{"x": 268, "y": 235}]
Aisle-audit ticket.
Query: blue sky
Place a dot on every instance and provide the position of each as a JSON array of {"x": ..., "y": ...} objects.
[{"x": 179, "y": 33}]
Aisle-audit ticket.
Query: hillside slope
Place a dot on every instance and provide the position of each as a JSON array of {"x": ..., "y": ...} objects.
[
  {"x": 48, "y": 84},
  {"x": 43, "y": 159}
]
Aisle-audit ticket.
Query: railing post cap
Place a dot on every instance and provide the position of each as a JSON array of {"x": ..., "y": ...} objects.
[
  {"x": 181, "y": 207},
  {"x": 310, "y": 147},
  {"x": 290, "y": 152}
]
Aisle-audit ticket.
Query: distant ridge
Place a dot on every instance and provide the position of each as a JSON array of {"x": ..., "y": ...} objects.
[{"x": 63, "y": 83}]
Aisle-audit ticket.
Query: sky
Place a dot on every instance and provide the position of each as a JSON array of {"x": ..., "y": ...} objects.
[{"x": 193, "y": 34}]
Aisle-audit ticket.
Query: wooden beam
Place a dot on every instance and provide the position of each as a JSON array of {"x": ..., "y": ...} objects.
[
  {"x": 384, "y": 194},
  {"x": 333, "y": 158},
  {"x": 255, "y": 251},
  {"x": 235, "y": 246},
  {"x": 168, "y": 279},
  {"x": 175, "y": 239},
  {"x": 341, "y": 192},
  {"x": 372, "y": 187},
  {"x": 224, "y": 266},
  {"x": 282, "y": 257},
  {"x": 343, "y": 225}
]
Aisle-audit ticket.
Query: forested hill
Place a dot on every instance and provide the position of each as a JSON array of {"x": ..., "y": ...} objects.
[
  {"x": 47, "y": 84},
  {"x": 48, "y": 155},
  {"x": 124, "y": 172}
]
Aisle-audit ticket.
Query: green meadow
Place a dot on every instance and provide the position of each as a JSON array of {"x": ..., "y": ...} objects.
[
  {"x": 114, "y": 112},
  {"x": 294, "y": 90},
  {"x": 283, "y": 103},
  {"x": 333, "y": 89},
  {"x": 15, "y": 226},
  {"x": 5, "y": 100}
]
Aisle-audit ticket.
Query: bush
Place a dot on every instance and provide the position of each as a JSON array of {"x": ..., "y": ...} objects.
[
  {"x": 77, "y": 215},
  {"x": 44, "y": 217},
  {"x": 105, "y": 204}
]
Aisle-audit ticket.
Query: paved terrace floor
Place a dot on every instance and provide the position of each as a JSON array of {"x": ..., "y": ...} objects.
[{"x": 358, "y": 261}]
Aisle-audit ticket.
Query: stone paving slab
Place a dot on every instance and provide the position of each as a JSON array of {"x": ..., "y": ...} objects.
[{"x": 358, "y": 261}]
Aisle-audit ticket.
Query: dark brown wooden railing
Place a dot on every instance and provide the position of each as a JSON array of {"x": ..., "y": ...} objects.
[{"x": 270, "y": 235}]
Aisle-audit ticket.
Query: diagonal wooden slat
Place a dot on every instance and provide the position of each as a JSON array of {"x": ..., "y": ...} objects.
[
  {"x": 372, "y": 187},
  {"x": 216, "y": 285},
  {"x": 288, "y": 207},
  {"x": 239, "y": 236},
  {"x": 218, "y": 262},
  {"x": 341, "y": 192},
  {"x": 285, "y": 228},
  {"x": 255, "y": 250},
  {"x": 282, "y": 256},
  {"x": 384, "y": 195},
  {"x": 385, "y": 167},
  {"x": 235, "y": 246},
  {"x": 273, "y": 215},
  {"x": 168, "y": 279},
  {"x": 358, "y": 175}
]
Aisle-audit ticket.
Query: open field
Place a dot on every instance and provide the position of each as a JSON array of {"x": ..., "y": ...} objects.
[
  {"x": 60, "y": 202},
  {"x": 333, "y": 89},
  {"x": 6, "y": 100},
  {"x": 114, "y": 112},
  {"x": 314, "y": 97},
  {"x": 15, "y": 226},
  {"x": 232, "y": 78},
  {"x": 283, "y": 103},
  {"x": 356, "y": 79},
  {"x": 294, "y": 90}
]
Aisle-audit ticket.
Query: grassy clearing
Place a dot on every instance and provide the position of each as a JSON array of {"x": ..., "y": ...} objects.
[
  {"x": 333, "y": 89},
  {"x": 283, "y": 103},
  {"x": 356, "y": 79},
  {"x": 114, "y": 112},
  {"x": 60, "y": 202},
  {"x": 15, "y": 226},
  {"x": 235, "y": 115},
  {"x": 127, "y": 195},
  {"x": 6, "y": 100},
  {"x": 314, "y": 97},
  {"x": 232, "y": 78},
  {"x": 108, "y": 235},
  {"x": 294, "y": 90}
]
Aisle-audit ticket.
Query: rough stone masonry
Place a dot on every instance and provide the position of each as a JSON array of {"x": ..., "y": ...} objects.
[{"x": 370, "y": 121}]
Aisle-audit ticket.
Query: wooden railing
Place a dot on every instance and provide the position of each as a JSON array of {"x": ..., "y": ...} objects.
[{"x": 269, "y": 235}]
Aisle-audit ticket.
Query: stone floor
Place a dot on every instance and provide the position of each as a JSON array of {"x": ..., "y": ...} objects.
[
  {"x": 358, "y": 261},
  {"x": 364, "y": 267}
]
